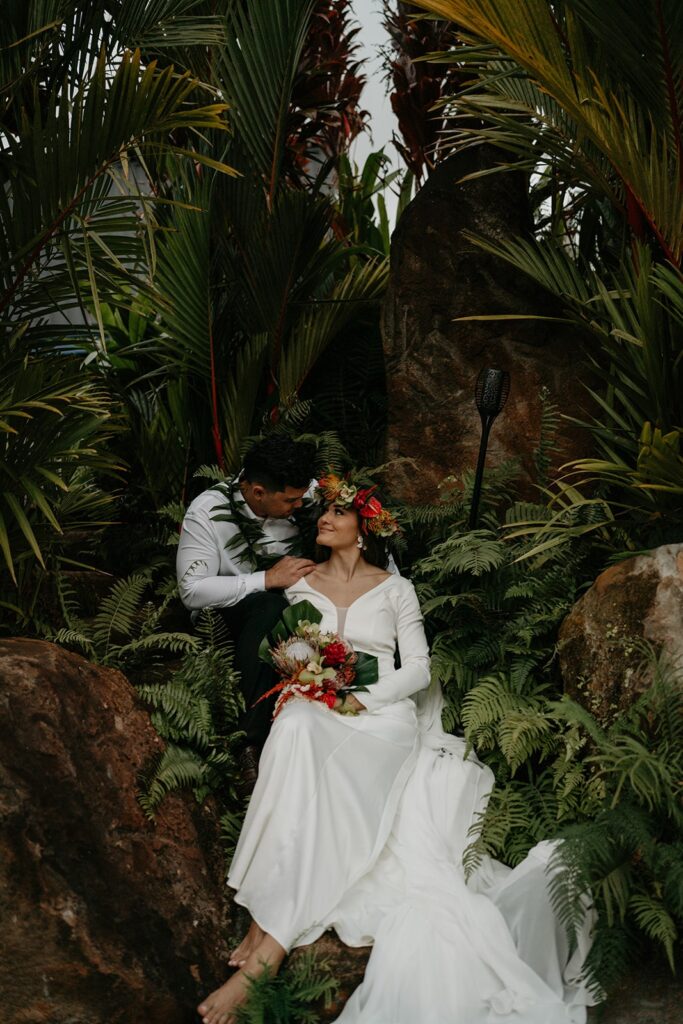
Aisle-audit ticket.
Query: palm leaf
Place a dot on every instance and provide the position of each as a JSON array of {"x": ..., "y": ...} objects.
[
  {"x": 256, "y": 71},
  {"x": 354, "y": 294},
  {"x": 574, "y": 56},
  {"x": 60, "y": 167}
]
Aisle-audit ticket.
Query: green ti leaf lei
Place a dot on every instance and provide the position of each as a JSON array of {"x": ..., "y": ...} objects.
[{"x": 249, "y": 543}]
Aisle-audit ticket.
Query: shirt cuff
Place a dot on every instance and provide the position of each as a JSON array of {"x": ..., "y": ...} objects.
[{"x": 257, "y": 582}]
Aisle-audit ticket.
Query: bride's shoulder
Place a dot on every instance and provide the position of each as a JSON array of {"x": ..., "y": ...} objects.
[
  {"x": 400, "y": 584},
  {"x": 301, "y": 587}
]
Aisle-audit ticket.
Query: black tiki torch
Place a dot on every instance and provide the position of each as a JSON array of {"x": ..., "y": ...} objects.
[{"x": 490, "y": 394}]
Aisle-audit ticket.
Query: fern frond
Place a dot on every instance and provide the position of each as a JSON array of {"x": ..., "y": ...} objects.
[
  {"x": 667, "y": 866},
  {"x": 176, "y": 768},
  {"x": 214, "y": 474},
  {"x": 212, "y": 631},
  {"x": 574, "y": 714},
  {"x": 569, "y": 891},
  {"x": 118, "y": 612},
  {"x": 68, "y": 602},
  {"x": 547, "y": 442},
  {"x": 523, "y": 733},
  {"x": 477, "y": 552},
  {"x": 330, "y": 451},
  {"x": 184, "y": 714},
  {"x": 611, "y": 953},
  {"x": 630, "y": 762},
  {"x": 652, "y": 916},
  {"x": 231, "y": 826},
  {"x": 72, "y": 638},
  {"x": 288, "y": 997},
  {"x": 176, "y": 643}
]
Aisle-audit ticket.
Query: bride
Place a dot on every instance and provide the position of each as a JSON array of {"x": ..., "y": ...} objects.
[{"x": 360, "y": 818}]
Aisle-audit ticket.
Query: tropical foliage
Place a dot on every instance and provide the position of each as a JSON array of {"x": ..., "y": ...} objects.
[
  {"x": 79, "y": 104},
  {"x": 189, "y": 258},
  {"x": 195, "y": 710},
  {"x": 588, "y": 99},
  {"x": 293, "y": 997},
  {"x": 173, "y": 258},
  {"x": 126, "y": 627},
  {"x": 258, "y": 275},
  {"x": 609, "y": 787}
]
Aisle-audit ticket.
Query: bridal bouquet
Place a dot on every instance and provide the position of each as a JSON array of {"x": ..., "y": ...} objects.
[{"x": 313, "y": 664}]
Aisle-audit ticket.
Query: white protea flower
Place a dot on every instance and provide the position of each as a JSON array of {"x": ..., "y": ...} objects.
[{"x": 291, "y": 654}]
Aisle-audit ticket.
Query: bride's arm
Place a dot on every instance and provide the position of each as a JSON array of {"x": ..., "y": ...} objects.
[{"x": 413, "y": 675}]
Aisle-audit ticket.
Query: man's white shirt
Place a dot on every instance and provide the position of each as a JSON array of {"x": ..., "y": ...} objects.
[{"x": 209, "y": 576}]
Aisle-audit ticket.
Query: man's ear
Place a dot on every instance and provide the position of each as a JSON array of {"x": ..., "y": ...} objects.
[{"x": 258, "y": 491}]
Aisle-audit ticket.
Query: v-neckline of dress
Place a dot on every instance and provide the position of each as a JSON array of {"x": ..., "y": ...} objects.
[{"x": 355, "y": 601}]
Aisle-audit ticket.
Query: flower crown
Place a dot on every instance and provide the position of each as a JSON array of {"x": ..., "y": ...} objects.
[{"x": 341, "y": 491}]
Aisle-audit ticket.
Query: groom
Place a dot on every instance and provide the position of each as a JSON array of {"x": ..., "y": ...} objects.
[{"x": 239, "y": 548}]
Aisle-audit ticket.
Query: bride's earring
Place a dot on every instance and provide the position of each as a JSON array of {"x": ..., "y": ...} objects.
[{"x": 360, "y": 543}]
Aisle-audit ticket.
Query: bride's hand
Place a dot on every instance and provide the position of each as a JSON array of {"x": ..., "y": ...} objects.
[{"x": 349, "y": 705}]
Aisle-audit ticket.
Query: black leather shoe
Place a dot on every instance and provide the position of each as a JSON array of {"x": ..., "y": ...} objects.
[{"x": 247, "y": 760}]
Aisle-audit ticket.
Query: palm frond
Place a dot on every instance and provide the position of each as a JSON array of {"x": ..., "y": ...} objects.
[
  {"x": 256, "y": 69},
  {"x": 357, "y": 291},
  {"x": 632, "y": 121}
]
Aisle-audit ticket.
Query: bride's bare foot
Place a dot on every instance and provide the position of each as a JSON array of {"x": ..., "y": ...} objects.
[
  {"x": 220, "y": 1006},
  {"x": 251, "y": 941}
]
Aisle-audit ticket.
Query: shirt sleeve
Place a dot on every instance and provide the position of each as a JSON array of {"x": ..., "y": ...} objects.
[
  {"x": 413, "y": 675},
  {"x": 198, "y": 565}
]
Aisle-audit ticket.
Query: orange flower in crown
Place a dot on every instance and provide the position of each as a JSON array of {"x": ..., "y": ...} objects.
[{"x": 374, "y": 518}]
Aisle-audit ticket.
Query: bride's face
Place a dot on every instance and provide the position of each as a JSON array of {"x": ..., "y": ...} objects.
[{"x": 338, "y": 528}]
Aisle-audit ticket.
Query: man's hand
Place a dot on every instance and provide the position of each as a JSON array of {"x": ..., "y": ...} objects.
[{"x": 287, "y": 571}]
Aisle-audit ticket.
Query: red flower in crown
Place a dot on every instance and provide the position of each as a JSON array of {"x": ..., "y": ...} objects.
[{"x": 367, "y": 506}]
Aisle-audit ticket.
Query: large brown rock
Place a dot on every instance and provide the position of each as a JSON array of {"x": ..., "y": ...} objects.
[
  {"x": 600, "y": 641},
  {"x": 432, "y": 362},
  {"x": 106, "y": 917}
]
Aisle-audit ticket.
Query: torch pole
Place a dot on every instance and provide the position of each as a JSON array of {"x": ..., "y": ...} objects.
[{"x": 479, "y": 475}]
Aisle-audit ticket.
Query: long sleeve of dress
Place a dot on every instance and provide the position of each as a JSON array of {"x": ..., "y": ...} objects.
[{"x": 413, "y": 675}]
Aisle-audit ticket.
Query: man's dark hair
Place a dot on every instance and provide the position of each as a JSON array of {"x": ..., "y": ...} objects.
[{"x": 278, "y": 462}]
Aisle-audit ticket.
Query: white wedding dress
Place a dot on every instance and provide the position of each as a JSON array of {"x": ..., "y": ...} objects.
[{"x": 360, "y": 823}]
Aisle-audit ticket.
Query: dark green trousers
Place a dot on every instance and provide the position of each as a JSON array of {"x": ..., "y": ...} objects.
[{"x": 248, "y": 622}]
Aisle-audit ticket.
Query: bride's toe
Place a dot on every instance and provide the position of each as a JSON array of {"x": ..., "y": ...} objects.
[{"x": 207, "y": 1013}]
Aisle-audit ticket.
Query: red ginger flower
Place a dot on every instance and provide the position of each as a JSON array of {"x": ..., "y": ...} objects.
[{"x": 334, "y": 654}]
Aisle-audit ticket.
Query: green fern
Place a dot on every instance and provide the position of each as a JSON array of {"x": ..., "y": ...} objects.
[
  {"x": 175, "y": 768},
  {"x": 547, "y": 444},
  {"x": 118, "y": 612},
  {"x": 73, "y": 638},
  {"x": 231, "y": 826},
  {"x": 125, "y": 631},
  {"x": 476, "y": 553},
  {"x": 652, "y": 916},
  {"x": 196, "y": 711},
  {"x": 610, "y": 791},
  {"x": 292, "y": 997}
]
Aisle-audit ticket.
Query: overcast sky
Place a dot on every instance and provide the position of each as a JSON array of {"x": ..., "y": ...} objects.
[
  {"x": 374, "y": 99},
  {"x": 371, "y": 36}
]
